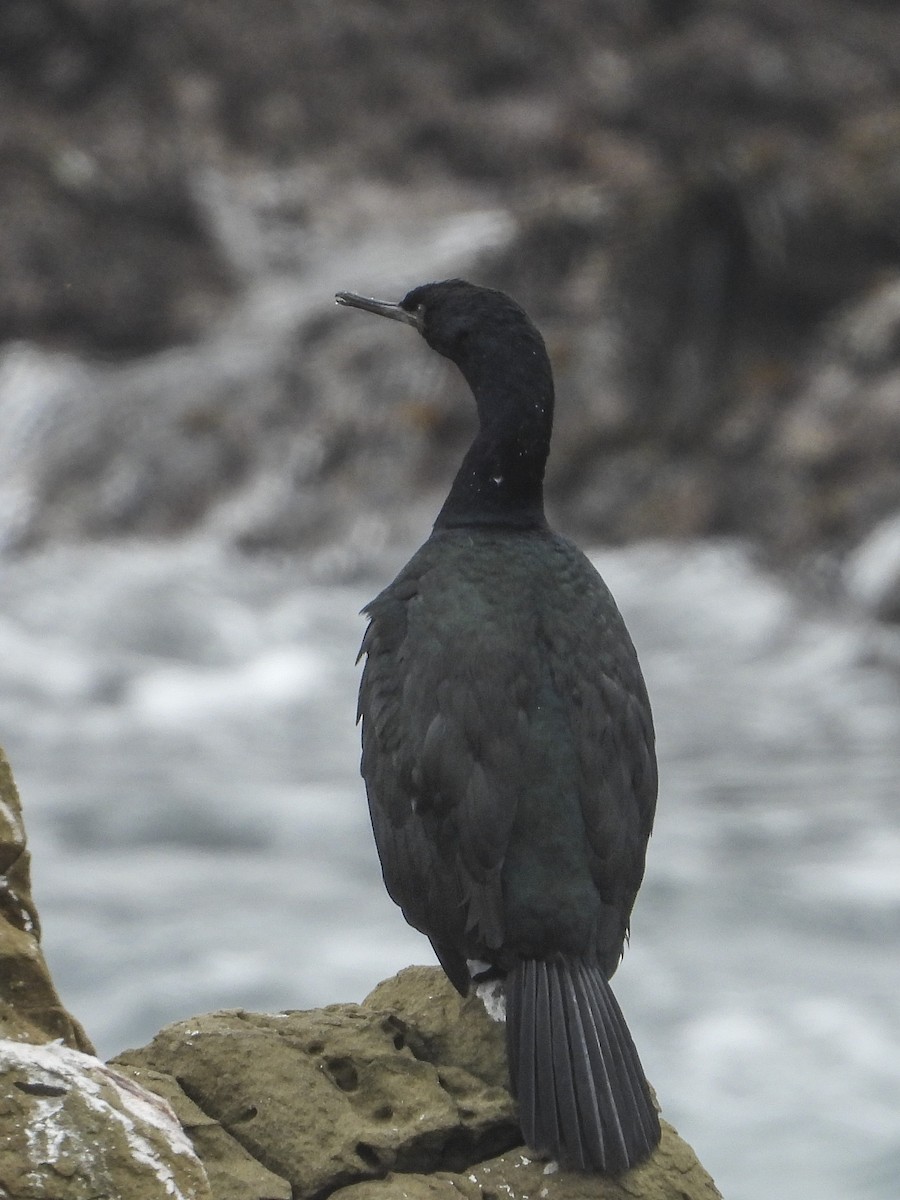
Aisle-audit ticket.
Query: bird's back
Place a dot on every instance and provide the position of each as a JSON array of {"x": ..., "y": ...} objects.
[{"x": 507, "y": 750}]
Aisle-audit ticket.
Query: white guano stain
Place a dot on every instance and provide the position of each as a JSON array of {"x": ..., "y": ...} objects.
[{"x": 55, "y": 1066}]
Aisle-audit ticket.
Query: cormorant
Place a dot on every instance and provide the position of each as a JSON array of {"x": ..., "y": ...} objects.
[{"x": 508, "y": 748}]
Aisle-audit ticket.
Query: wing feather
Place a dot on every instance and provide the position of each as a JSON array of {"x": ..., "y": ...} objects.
[{"x": 476, "y": 693}]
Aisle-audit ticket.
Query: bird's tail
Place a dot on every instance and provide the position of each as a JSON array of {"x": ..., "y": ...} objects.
[{"x": 582, "y": 1094}]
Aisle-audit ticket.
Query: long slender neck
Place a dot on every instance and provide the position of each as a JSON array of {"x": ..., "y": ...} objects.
[{"x": 501, "y": 479}]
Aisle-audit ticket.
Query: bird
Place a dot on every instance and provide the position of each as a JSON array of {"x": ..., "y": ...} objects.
[{"x": 508, "y": 749}]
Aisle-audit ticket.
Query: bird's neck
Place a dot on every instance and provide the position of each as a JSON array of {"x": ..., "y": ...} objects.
[{"x": 501, "y": 479}]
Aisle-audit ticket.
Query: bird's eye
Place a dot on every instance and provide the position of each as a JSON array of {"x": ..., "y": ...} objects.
[{"x": 418, "y": 317}]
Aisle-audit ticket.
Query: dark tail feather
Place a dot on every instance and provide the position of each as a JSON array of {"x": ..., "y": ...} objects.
[{"x": 581, "y": 1089}]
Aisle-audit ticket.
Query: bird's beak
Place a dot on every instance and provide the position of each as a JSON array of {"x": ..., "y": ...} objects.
[{"x": 382, "y": 308}]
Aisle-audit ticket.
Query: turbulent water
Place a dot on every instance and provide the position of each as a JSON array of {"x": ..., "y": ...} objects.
[{"x": 181, "y": 725}]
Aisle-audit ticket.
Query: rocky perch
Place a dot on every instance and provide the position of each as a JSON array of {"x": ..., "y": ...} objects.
[{"x": 404, "y": 1095}]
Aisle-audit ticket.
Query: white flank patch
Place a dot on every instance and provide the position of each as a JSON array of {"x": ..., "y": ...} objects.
[{"x": 492, "y": 996}]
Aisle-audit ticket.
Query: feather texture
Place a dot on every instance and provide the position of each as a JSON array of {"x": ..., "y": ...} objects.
[
  {"x": 508, "y": 747},
  {"x": 582, "y": 1095}
]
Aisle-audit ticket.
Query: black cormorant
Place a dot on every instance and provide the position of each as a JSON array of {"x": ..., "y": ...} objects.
[{"x": 508, "y": 748}]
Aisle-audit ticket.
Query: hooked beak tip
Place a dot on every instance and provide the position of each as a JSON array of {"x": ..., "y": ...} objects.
[{"x": 381, "y": 308}]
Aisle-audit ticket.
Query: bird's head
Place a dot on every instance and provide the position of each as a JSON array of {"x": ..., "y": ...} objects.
[
  {"x": 503, "y": 359},
  {"x": 459, "y": 320}
]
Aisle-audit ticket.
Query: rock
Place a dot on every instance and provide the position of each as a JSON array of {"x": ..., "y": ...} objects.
[
  {"x": 837, "y": 444},
  {"x": 406, "y": 1094},
  {"x": 103, "y": 239},
  {"x": 673, "y": 1173},
  {"x": 71, "y": 1128},
  {"x": 454, "y": 1031},
  {"x": 336, "y": 1095},
  {"x": 75, "y": 1129},
  {"x": 233, "y": 1173},
  {"x": 403, "y": 1095},
  {"x": 717, "y": 277},
  {"x": 873, "y": 571},
  {"x": 30, "y": 1009}
]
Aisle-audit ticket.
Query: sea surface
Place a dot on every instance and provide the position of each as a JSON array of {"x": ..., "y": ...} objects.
[{"x": 180, "y": 720}]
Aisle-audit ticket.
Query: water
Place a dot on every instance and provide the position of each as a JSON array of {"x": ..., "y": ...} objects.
[{"x": 181, "y": 724}]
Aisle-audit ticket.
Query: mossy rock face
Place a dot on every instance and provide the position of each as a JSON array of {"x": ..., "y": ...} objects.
[
  {"x": 673, "y": 1173},
  {"x": 334, "y": 1096},
  {"x": 73, "y": 1129},
  {"x": 454, "y": 1031},
  {"x": 233, "y": 1173},
  {"x": 30, "y": 1008},
  {"x": 404, "y": 1095}
]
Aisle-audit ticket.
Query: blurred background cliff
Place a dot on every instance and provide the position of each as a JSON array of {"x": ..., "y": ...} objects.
[
  {"x": 206, "y": 469},
  {"x": 699, "y": 202}
]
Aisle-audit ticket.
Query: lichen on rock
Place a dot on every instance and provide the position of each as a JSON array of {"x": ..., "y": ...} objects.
[
  {"x": 71, "y": 1128},
  {"x": 333, "y": 1096},
  {"x": 30, "y": 1008},
  {"x": 403, "y": 1095},
  {"x": 75, "y": 1129},
  {"x": 673, "y": 1173}
]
